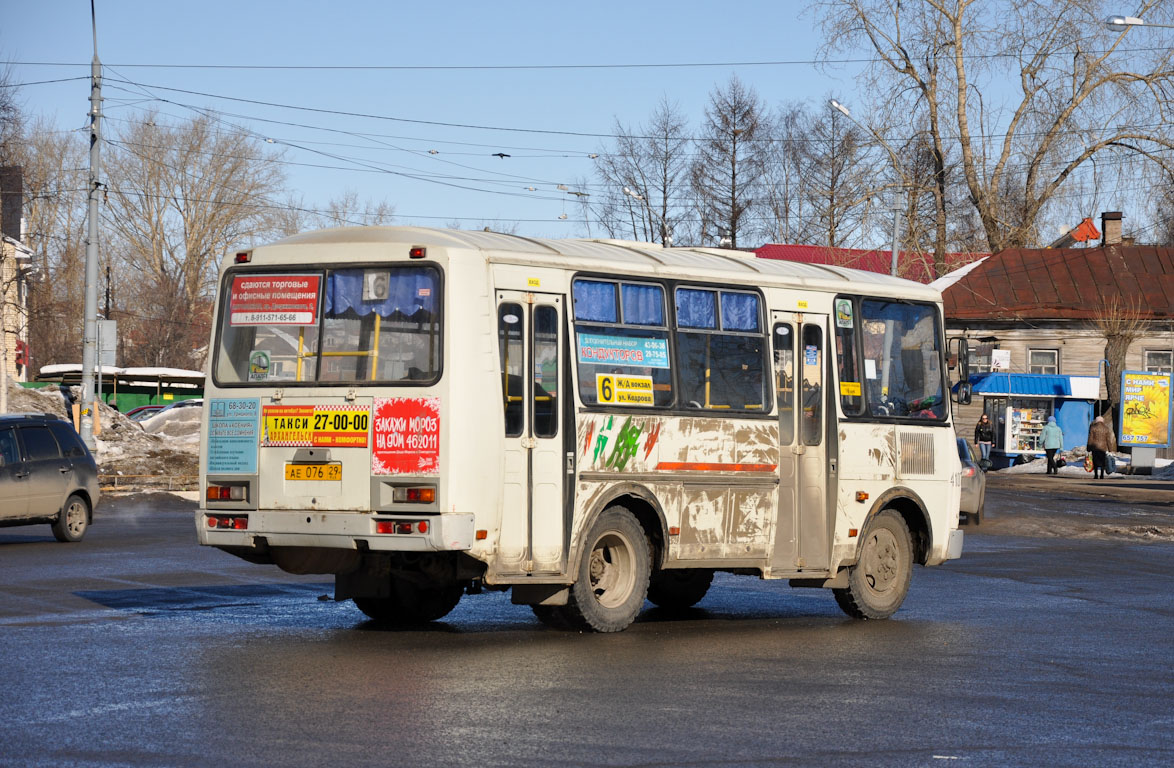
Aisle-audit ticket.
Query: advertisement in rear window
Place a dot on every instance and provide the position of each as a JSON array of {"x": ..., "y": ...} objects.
[{"x": 274, "y": 300}]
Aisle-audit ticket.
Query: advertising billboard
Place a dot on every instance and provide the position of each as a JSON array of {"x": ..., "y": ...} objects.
[{"x": 1145, "y": 409}]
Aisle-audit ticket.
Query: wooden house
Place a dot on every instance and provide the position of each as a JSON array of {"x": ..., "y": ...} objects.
[{"x": 1031, "y": 319}]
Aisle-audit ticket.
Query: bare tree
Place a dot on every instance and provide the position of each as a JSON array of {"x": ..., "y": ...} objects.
[
  {"x": 11, "y": 118},
  {"x": 840, "y": 179},
  {"x": 784, "y": 191},
  {"x": 348, "y": 211},
  {"x": 1120, "y": 321},
  {"x": 12, "y": 307},
  {"x": 181, "y": 196},
  {"x": 1079, "y": 96},
  {"x": 643, "y": 179},
  {"x": 730, "y": 169},
  {"x": 55, "y": 211}
]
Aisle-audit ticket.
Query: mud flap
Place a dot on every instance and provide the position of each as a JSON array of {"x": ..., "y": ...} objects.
[
  {"x": 954, "y": 550},
  {"x": 539, "y": 594}
]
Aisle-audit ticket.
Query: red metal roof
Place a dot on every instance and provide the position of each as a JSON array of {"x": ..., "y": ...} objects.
[
  {"x": 1064, "y": 284},
  {"x": 910, "y": 265}
]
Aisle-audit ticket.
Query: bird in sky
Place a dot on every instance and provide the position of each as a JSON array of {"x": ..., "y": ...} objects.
[{"x": 502, "y": 155}]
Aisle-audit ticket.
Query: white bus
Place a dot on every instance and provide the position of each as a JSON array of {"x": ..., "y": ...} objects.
[{"x": 429, "y": 413}]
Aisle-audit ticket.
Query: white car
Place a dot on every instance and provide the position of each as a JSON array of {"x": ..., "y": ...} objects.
[{"x": 973, "y": 484}]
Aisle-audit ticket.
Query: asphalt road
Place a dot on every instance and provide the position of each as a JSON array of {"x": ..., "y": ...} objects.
[{"x": 136, "y": 647}]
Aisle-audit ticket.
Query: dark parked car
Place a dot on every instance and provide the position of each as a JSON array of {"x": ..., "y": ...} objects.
[
  {"x": 47, "y": 475},
  {"x": 973, "y": 484}
]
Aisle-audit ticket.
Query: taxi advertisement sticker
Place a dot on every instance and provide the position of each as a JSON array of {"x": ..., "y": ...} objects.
[{"x": 316, "y": 426}]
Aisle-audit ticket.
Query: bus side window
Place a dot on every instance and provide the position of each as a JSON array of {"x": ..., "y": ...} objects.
[
  {"x": 812, "y": 385},
  {"x": 546, "y": 371},
  {"x": 785, "y": 381},
  {"x": 509, "y": 337},
  {"x": 847, "y": 365}
]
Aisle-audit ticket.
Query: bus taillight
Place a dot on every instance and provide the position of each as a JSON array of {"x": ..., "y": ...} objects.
[
  {"x": 425, "y": 494},
  {"x": 233, "y": 522},
  {"x": 226, "y": 493},
  {"x": 401, "y": 526}
]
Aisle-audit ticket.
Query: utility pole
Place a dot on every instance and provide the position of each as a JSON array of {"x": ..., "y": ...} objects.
[
  {"x": 897, "y": 209},
  {"x": 89, "y": 349}
]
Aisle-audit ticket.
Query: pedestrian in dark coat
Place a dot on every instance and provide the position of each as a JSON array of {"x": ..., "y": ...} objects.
[
  {"x": 984, "y": 435},
  {"x": 1099, "y": 440}
]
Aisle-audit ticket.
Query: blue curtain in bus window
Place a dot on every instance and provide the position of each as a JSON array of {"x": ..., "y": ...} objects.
[
  {"x": 642, "y": 304},
  {"x": 595, "y": 301},
  {"x": 739, "y": 311},
  {"x": 408, "y": 292},
  {"x": 696, "y": 309}
]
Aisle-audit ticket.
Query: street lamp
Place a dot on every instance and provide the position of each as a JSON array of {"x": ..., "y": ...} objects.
[
  {"x": 1122, "y": 23},
  {"x": 665, "y": 238},
  {"x": 896, "y": 167}
]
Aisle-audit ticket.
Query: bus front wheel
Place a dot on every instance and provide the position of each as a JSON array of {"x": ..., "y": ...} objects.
[
  {"x": 879, "y": 581},
  {"x": 612, "y": 578}
]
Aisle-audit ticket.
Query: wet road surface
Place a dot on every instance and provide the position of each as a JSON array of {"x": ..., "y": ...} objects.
[{"x": 137, "y": 647}]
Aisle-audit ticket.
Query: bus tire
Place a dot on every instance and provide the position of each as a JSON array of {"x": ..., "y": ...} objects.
[
  {"x": 879, "y": 581},
  {"x": 677, "y": 588},
  {"x": 411, "y": 603},
  {"x": 613, "y": 574}
]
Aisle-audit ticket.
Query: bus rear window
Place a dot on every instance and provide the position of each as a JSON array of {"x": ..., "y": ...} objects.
[{"x": 379, "y": 324}]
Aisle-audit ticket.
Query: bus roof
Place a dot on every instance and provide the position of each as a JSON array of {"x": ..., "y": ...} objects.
[{"x": 623, "y": 256}]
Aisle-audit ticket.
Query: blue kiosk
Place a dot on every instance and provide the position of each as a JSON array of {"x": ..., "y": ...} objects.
[{"x": 1019, "y": 405}]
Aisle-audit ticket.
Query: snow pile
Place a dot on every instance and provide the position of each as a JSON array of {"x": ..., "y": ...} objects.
[
  {"x": 122, "y": 447},
  {"x": 1074, "y": 467},
  {"x": 1163, "y": 468},
  {"x": 180, "y": 425}
]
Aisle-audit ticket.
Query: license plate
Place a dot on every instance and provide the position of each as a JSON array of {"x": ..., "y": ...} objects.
[{"x": 313, "y": 472}]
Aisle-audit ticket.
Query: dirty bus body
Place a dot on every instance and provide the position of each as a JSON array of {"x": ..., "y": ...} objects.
[{"x": 428, "y": 413}]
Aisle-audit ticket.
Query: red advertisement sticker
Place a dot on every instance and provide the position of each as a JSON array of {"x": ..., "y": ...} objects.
[
  {"x": 407, "y": 436},
  {"x": 274, "y": 300}
]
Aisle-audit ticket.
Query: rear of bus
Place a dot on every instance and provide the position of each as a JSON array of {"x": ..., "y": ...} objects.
[{"x": 324, "y": 434}]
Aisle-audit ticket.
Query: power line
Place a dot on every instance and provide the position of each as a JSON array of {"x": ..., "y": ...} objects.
[
  {"x": 556, "y": 67},
  {"x": 540, "y": 131}
]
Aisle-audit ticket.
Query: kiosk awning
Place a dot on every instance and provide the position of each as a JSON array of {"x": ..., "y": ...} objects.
[{"x": 1036, "y": 385}]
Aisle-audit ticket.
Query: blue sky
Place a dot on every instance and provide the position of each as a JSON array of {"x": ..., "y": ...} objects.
[{"x": 543, "y": 106}]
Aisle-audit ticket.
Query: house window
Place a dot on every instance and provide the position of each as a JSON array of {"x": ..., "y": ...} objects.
[
  {"x": 1043, "y": 361},
  {"x": 1159, "y": 361}
]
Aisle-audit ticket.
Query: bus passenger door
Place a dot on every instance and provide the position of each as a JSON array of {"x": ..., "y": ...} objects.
[
  {"x": 801, "y": 534},
  {"x": 530, "y": 338}
]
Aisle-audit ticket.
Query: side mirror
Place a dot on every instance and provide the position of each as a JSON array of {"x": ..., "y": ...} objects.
[
  {"x": 963, "y": 361},
  {"x": 963, "y": 394}
]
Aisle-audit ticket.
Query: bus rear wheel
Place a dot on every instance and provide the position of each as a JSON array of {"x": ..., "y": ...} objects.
[
  {"x": 879, "y": 581},
  {"x": 411, "y": 603},
  {"x": 613, "y": 574},
  {"x": 676, "y": 589}
]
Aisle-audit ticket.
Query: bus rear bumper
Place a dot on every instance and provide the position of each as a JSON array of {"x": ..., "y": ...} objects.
[{"x": 339, "y": 530}]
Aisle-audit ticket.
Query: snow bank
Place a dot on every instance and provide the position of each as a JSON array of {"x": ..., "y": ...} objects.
[
  {"x": 1163, "y": 468},
  {"x": 122, "y": 447}
]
